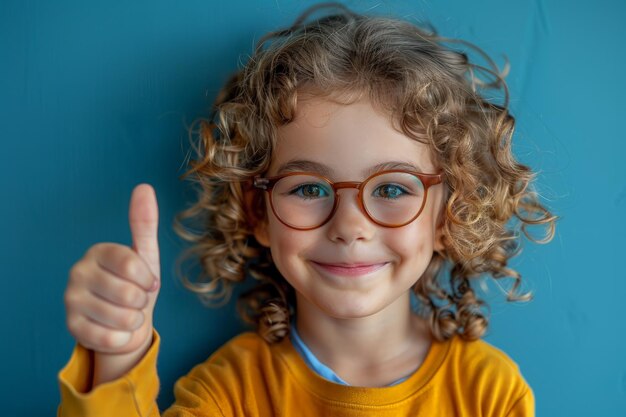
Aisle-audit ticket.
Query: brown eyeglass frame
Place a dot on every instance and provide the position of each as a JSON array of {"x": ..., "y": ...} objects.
[{"x": 428, "y": 180}]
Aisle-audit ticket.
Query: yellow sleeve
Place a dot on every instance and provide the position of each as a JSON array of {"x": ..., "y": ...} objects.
[
  {"x": 524, "y": 406},
  {"x": 134, "y": 394}
]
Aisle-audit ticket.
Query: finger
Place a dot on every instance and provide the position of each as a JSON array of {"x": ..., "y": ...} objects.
[
  {"x": 95, "y": 336},
  {"x": 124, "y": 263},
  {"x": 109, "y": 315},
  {"x": 143, "y": 216},
  {"x": 118, "y": 291}
]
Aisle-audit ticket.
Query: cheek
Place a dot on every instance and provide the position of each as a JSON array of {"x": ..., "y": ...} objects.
[
  {"x": 279, "y": 242},
  {"x": 280, "y": 257},
  {"x": 414, "y": 245},
  {"x": 288, "y": 247}
]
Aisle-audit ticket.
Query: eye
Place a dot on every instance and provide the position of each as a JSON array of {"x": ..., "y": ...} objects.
[
  {"x": 310, "y": 191},
  {"x": 389, "y": 191}
]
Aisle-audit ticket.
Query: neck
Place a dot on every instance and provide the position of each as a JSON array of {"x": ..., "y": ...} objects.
[{"x": 367, "y": 351}]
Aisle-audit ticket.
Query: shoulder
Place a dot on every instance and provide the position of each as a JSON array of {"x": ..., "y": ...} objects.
[
  {"x": 245, "y": 359},
  {"x": 244, "y": 350},
  {"x": 245, "y": 340},
  {"x": 492, "y": 374},
  {"x": 482, "y": 380},
  {"x": 231, "y": 379},
  {"x": 240, "y": 378},
  {"x": 481, "y": 355},
  {"x": 480, "y": 359}
]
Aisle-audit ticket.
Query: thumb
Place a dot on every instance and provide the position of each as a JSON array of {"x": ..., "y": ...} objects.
[{"x": 143, "y": 216}]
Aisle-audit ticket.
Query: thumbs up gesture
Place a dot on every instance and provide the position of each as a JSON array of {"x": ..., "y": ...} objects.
[{"x": 112, "y": 291}]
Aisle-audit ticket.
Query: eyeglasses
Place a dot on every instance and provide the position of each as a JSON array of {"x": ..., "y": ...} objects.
[{"x": 305, "y": 200}]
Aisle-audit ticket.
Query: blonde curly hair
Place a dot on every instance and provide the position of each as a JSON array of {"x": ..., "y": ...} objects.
[{"x": 434, "y": 93}]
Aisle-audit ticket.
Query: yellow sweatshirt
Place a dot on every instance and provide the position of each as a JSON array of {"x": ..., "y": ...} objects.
[{"x": 249, "y": 377}]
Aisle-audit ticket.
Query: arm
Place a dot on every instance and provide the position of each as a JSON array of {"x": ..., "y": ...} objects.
[
  {"x": 109, "y": 301},
  {"x": 524, "y": 406},
  {"x": 132, "y": 394}
]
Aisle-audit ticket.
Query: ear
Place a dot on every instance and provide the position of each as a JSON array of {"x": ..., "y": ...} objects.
[
  {"x": 255, "y": 207},
  {"x": 261, "y": 233}
]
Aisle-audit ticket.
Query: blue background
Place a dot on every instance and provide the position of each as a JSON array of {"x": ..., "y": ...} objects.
[{"x": 95, "y": 98}]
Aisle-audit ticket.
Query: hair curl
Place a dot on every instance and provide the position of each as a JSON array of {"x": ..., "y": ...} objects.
[{"x": 436, "y": 96}]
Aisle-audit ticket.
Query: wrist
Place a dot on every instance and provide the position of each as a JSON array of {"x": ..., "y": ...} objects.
[{"x": 111, "y": 366}]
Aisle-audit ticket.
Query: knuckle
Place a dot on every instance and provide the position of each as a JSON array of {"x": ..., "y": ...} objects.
[
  {"x": 95, "y": 249},
  {"x": 70, "y": 298},
  {"x": 73, "y": 325},
  {"x": 139, "y": 320},
  {"x": 129, "y": 267},
  {"x": 77, "y": 272},
  {"x": 128, "y": 321},
  {"x": 130, "y": 297},
  {"x": 141, "y": 299},
  {"x": 101, "y": 251}
]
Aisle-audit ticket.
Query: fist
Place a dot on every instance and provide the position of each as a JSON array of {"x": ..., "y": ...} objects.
[{"x": 112, "y": 290}]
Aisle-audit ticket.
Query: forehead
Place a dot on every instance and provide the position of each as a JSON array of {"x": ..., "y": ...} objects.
[{"x": 348, "y": 139}]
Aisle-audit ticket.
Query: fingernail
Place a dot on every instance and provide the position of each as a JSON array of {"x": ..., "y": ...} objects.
[
  {"x": 155, "y": 286},
  {"x": 121, "y": 339}
]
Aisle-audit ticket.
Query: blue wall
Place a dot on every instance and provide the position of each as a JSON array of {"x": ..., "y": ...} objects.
[{"x": 95, "y": 97}]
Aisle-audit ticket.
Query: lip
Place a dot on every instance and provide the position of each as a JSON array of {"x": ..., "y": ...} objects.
[{"x": 349, "y": 270}]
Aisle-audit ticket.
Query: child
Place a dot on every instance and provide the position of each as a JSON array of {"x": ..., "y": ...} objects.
[{"x": 350, "y": 166}]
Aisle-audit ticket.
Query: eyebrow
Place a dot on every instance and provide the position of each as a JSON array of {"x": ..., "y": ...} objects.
[{"x": 311, "y": 166}]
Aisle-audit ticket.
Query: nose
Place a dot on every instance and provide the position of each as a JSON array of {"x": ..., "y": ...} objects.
[{"x": 349, "y": 223}]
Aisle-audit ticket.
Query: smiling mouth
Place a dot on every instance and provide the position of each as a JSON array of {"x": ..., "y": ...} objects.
[{"x": 349, "y": 270}]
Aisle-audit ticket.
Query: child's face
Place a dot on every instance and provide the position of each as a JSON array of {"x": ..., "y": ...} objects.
[{"x": 348, "y": 140}]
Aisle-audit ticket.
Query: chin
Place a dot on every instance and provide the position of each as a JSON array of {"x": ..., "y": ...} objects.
[{"x": 348, "y": 311}]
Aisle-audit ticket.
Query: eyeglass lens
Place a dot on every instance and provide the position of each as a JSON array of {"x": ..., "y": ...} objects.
[{"x": 305, "y": 201}]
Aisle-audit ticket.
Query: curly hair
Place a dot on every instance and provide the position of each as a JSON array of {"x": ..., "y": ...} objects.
[{"x": 434, "y": 94}]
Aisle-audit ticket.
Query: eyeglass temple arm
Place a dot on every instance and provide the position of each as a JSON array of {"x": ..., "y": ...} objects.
[
  {"x": 261, "y": 183},
  {"x": 431, "y": 179}
]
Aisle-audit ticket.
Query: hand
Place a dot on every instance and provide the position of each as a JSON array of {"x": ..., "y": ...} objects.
[{"x": 112, "y": 290}]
